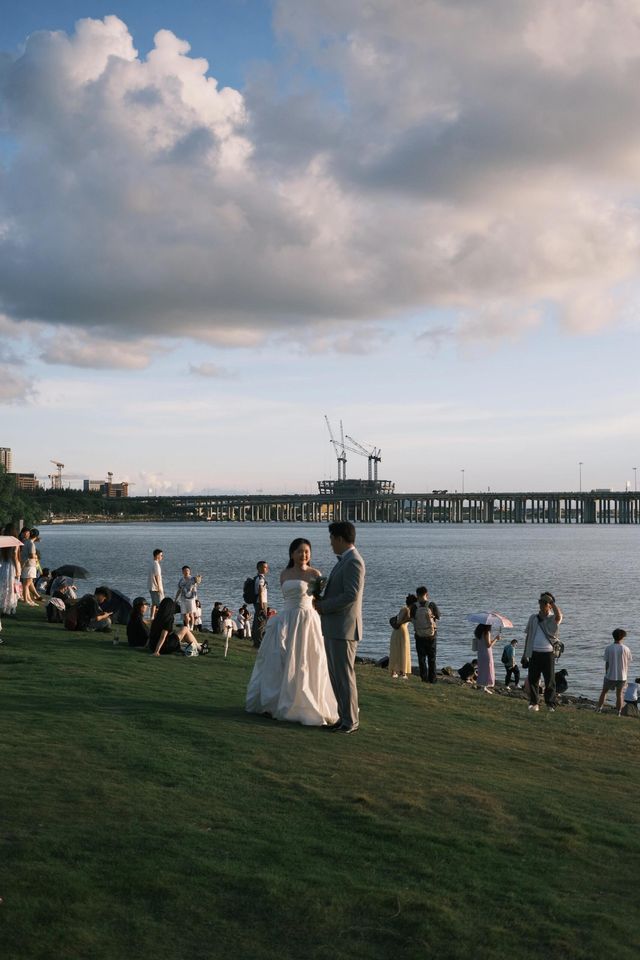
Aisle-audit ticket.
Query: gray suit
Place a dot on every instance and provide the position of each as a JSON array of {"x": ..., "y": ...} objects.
[{"x": 341, "y": 613}]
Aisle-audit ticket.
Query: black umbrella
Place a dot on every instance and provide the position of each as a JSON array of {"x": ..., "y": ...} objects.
[
  {"x": 73, "y": 570},
  {"x": 119, "y": 606}
]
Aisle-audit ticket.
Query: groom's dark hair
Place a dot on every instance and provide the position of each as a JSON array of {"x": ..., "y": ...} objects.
[{"x": 343, "y": 529}]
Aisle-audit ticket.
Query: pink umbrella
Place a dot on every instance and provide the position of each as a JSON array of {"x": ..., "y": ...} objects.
[
  {"x": 491, "y": 618},
  {"x": 9, "y": 542}
]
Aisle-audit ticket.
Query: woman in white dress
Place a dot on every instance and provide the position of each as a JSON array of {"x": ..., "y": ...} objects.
[
  {"x": 9, "y": 574},
  {"x": 290, "y": 679}
]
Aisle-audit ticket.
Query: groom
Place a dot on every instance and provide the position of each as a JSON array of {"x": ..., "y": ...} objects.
[{"x": 341, "y": 612}]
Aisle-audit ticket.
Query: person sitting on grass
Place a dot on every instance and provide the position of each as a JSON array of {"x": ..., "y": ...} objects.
[
  {"x": 468, "y": 672},
  {"x": 137, "y": 627},
  {"x": 631, "y": 693},
  {"x": 164, "y": 636},
  {"x": 87, "y": 613},
  {"x": 101, "y": 619}
]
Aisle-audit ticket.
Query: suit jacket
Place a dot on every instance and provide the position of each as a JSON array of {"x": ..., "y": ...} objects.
[{"x": 341, "y": 605}]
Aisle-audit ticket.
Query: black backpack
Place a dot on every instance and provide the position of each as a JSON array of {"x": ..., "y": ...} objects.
[{"x": 249, "y": 590}]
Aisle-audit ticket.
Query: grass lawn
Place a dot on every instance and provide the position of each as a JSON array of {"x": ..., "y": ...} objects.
[{"x": 146, "y": 816}]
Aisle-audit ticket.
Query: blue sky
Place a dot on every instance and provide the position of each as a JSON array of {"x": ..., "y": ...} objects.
[{"x": 364, "y": 218}]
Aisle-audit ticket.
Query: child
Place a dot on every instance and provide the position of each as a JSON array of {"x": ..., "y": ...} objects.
[
  {"x": 630, "y": 708},
  {"x": 197, "y": 617},
  {"x": 510, "y": 665},
  {"x": 617, "y": 658}
]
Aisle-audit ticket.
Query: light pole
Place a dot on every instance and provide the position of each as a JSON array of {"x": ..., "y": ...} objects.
[
  {"x": 635, "y": 479},
  {"x": 580, "y": 476},
  {"x": 462, "y": 472}
]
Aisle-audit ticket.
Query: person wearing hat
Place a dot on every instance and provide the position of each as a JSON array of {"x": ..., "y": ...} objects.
[
  {"x": 137, "y": 627},
  {"x": 538, "y": 655}
]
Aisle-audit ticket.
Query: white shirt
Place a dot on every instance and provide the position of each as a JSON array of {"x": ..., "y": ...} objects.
[
  {"x": 155, "y": 577},
  {"x": 617, "y": 658},
  {"x": 260, "y": 587},
  {"x": 540, "y": 641},
  {"x": 631, "y": 693}
]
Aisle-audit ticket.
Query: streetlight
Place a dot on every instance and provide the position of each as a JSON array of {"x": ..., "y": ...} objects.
[
  {"x": 635, "y": 479},
  {"x": 580, "y": 476},
  {"x": 462, "y": 472}
]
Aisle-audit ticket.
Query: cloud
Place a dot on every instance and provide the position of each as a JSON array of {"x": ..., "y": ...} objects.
[
  {"x": 77, "y": 348},
  {"x": 210, "y": 371},
  {"x": 476, "y": 157},
  {"x": 13, "y": 387}
]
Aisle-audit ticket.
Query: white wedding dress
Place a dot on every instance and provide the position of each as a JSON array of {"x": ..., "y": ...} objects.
[{"x": 290, "y": 679}]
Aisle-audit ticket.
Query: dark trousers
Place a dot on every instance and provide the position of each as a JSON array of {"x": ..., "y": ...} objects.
[
  {"x": 426, "y": 650},
  {"x": 542, "y": 664},
  {"x": 514, "y": 672},
  {"x": 258, "y": 625}
]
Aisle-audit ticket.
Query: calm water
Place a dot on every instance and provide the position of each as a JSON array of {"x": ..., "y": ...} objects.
[{"x": 591, "y": 571}]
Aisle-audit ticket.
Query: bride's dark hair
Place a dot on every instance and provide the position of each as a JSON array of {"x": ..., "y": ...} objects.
[{"x": 293, "y": 546}]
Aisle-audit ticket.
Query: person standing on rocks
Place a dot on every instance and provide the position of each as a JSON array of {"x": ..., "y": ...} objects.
[
  {"x": 617, "y": 658},
  {"x": 538, "y": 655},
  {"x": 424, "y": 617}
]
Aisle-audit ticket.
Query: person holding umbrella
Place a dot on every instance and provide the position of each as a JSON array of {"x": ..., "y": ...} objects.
[{"x": 483, "y": 642}]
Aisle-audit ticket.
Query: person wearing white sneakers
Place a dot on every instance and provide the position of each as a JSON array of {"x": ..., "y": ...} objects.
[{"x": 538, "y": 655}]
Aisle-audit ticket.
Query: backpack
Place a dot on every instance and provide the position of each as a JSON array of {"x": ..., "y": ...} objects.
[
  {"x": 249, "y": 590},
  {"x": 506, "y": 658},
  {"x": 71, "y": 617},
  {"x": 424, "y": 621}
]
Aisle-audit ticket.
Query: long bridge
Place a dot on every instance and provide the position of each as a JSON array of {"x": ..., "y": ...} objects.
[{"x": 594, "y": 507}]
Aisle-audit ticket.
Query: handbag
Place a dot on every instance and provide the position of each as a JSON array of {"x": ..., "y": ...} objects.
[{"x": 557, "y": 645}]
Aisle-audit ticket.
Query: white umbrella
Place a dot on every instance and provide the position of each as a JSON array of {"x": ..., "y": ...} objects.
[
  {"x": 10, "y": 542},
  {"x": 491, "y": 618}
]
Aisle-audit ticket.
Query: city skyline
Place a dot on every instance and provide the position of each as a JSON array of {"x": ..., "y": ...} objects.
[{"x": 217, "y": 226}]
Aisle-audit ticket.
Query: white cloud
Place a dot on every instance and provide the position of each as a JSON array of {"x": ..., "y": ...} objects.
[
  {"x": 14, "y": 388},
  {"x": 210, "y": 371},
  {"x": 96, "y": 350},
  {"x": 481, "y": 157}
]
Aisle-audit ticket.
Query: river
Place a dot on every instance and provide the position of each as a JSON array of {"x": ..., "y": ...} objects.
[{"x": 591, "y": 570}]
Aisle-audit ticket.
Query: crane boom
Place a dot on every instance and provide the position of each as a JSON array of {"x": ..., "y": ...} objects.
[
  {"x": 340, "y": 451},
  {"x": 374, "y": 457}
]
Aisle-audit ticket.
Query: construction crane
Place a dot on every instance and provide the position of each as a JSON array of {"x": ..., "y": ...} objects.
[
  {"x": 56, "y": 478},
  {"x": 374, "y": 456},
  {"x": 340, "y": 450}
]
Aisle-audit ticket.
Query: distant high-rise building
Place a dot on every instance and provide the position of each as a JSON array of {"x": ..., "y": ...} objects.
[{"x": 6, "y": 459}]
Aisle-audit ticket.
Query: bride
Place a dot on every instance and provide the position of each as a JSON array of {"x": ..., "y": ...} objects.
[{"x": 290, "y": 679}]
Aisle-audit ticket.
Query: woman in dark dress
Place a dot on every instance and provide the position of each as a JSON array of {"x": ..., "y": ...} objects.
[
  {"x": 163, "y": 635},
  {"x": 137, "y": 628}
]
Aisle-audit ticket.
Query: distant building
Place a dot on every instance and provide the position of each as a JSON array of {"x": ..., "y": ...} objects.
[
  {"x": 25, "y": 481},
  {"x": 108, "y": 489},
  {"x": 6, "y": 459}
]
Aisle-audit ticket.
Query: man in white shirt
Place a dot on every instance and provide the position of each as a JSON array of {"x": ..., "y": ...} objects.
[
  {"x": 538, "y": 655},
  {"x": 617, "y": 658},
  {"x": 156, "y": 588}
]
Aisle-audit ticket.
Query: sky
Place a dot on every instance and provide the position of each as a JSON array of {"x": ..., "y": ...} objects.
[{"x": 222, "y": 221}]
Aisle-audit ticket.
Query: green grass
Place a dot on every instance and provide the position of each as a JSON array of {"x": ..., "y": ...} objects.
[{"x": 145, "y": 815}]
